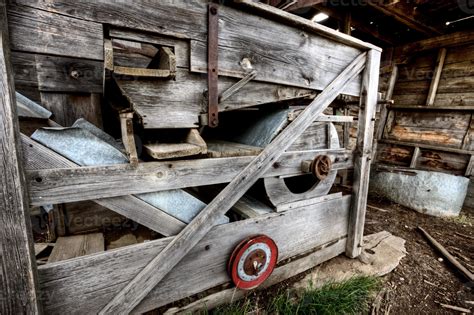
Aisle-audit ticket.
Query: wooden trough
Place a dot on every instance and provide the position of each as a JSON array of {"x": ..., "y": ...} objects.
[{"x": 190, "y": 71}]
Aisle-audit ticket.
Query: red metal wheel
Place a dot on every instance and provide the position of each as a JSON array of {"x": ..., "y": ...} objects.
[{"x": 252, "y": 261}]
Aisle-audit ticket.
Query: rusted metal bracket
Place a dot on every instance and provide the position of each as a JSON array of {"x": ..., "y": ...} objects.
[{"x": 212, "y": 65}]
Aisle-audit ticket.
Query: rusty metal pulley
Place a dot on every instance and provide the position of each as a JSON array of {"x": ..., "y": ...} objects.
[
  {"x": 252, "y": 261},
  {"x": 321, "y": 166}
]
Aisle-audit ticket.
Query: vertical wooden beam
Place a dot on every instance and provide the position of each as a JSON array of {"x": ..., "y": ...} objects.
[
  {"x": 18, "y": 277},
  {"x": 363, "y": 153},
  {"x": 414, "y": 157},
  {"x": 436, "y": 77},
  {"x": 137, "y": 289}
]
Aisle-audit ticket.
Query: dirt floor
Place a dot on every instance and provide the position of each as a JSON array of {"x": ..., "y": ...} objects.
[{"x": 423, "y": 279}]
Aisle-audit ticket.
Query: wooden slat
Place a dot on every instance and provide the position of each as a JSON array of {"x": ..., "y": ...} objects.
[
  {"x": 64, "y": 74},
  {"x": 306, "y": 24},
  {"x": 84, "y": 183},
  {"x": 68, "y": 247},
  {"x": 181, "y": 98},
  {"x": 66, "y": 184},
  {"x": 38, "y": 156},
  {"x": 432, "y": 108},
  {"x": 218, "y": 149},
  {"x": 47, "y": 33},
  {"x": 91, "y": 281},
  {"x": 436, "y": 77},
  {"x": 280, "y": 274},
  {"x": 134, "y": 292},
  {"x": 18, "y": 276},
  {"x": 306, "y": 202},
  {"x": 414, "y": 158},
  {"x": 427, "y": 146},
  {"x": 304, "y": 66},
  {"x": 363, "y": 153}
]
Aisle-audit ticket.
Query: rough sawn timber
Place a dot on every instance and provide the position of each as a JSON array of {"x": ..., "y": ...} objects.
[
  {"x": 137, "y": 289},
  {"x": 18, "y": 275},
  {"x": 91, "y": 281},
  {"x": 37, "y": 156},
  {"x": 48, "y": 185},
  {"x": 363, "y": 153}
]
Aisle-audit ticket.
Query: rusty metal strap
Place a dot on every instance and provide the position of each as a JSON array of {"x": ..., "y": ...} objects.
[{"x": 212, "y": 65}]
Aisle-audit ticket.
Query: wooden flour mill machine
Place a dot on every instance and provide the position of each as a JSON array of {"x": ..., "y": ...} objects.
[{"x": 231, "y": 145}]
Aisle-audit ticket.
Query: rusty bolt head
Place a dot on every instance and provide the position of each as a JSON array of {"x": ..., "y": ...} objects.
[{"x": 213, "y": 10}]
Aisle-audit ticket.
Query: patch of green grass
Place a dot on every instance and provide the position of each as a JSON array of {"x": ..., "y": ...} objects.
[{"x": 349, "y": 297}]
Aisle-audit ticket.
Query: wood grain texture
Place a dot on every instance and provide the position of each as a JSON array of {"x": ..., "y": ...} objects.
[
  {"x": 64, "y": 74},
  {"x": 181, "y": 99},
  {"x": 280, "y": 274},
  {"x": 66, "y": 184},
  {"x": 68, "y": 247},
  {"x": 136, "y": 290},
  {"x": 68, "y": 107},
  {"x": 436, "y": 76},
  {"x": 291, "y": 59},
  {"x": 18, "y": 275},
  {"x": 48, "y": 33},
  {"x": 38, "y": 156},
  {"x": 363, "y": 154},
  {"x": 91, "y": 281}
]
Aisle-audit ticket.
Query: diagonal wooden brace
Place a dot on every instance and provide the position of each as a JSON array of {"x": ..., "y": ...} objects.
[{"x": 134, "y": 292}]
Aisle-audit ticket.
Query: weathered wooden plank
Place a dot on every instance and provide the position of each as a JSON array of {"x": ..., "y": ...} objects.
[
  {"x": 218, "y": 149},
  {"x": 181, "y": 19},
  {"x": 181, "y": 99},
  {"x": 306, "y": 24},
  {"x": 306, "y": 202},
  {"x": 18, "y": 276},
  {"x": 444, "y": 128},
  {"x": 363, "y": 155},
  {"x": 249, "y": 207},
  {"x": 67, "y": 107},
  {"x": 427, "y": 146},
  {"x": 38, "y": 156},
  {"x": 447, "y": 40},
  {"x": 64, "y": 74},
  {"x": 393, "y": 154},
  {"x": 91, "y": 281},
  {"x": 68, "y": 247},
  {"x": 442, "y": 99},
  {"x": 163, "y": 263},
  {"x": 84, "y": 183},
  {"x": 39, "y": 31},
  {"x": 414, "y": 158},
  {"x": 440, "y": 161},
  {"x": 301, "y": 64},
  {"x": 280, "y": 274}
]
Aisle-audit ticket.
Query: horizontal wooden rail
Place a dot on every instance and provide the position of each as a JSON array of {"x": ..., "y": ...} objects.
[
  {"x": 426, "y": 146},
  {"x": 52, "y": 186}
]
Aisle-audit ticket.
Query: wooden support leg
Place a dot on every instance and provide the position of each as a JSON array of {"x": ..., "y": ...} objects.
[
  {"x": 137, "y": 289},
  {"x": 363, "y": 153},
  {"x": 18, "y": 278},
  {"x": 128, "y": 139}
]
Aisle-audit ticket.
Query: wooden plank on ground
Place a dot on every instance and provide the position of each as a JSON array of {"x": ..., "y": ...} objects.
[
  {"x": 18, "y": 286},
  {"x": 91, "y": 281},
  {"x": 38, "y": 31},
  {"x": 137, "y": 289},
  {"x": 38, "y": 156},
  {"x": 363, "y": 154},
  {"x": 68, "y": 247},
  {"x": 66, "y": 184}
]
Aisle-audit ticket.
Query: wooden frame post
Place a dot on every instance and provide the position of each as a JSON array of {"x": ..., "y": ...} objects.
[
  {"x": 137, "y": 289},
  {"x": 18, "y": 275},
  {"x": 363, "y": 153}
]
